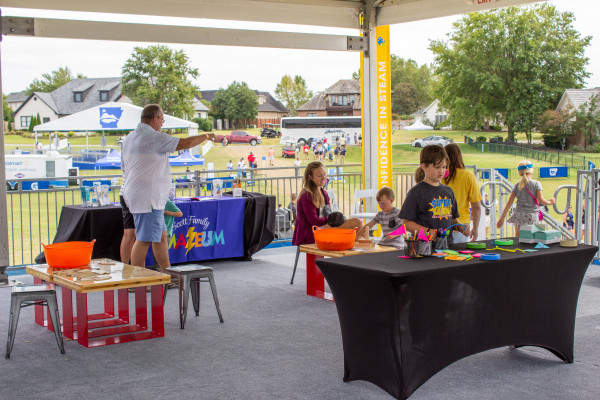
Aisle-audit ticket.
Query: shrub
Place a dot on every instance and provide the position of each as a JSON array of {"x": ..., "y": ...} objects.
[
  {"x": 496, "y": 127},
  {"x": 597, "y": 148},
  {"x": 204, "y": 124},
  {"x": 552, "y": 142},
  {"x": 575, "y": 149},
  {"x": 405, "y": 117},
  {"x": 70, "y": 134},
  {"x": 481, "y": 138}
]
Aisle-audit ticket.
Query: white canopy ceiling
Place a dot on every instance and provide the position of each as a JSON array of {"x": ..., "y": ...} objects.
[
  {"x": 329, "y": 13},
  {"x": 108, "y": 117}
]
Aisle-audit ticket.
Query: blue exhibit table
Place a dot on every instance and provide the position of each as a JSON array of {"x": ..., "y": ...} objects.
[{"x": 210, "y": 228}]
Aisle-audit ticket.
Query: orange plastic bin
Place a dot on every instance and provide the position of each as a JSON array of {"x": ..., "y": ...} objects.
[
  {"x": 334, "y": 239},
  {"x": 69, "y": 254}
]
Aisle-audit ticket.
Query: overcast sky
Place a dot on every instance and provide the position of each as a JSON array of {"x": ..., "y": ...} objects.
[{"x": 25, "y": 59}]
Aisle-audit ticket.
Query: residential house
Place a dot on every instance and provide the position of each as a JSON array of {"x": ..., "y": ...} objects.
[
  {"x": 571, "y": 100},
  {"x": 74, "y": 96},
  {"x": 431, "y": 115},
  {"x": 15, "y": 99},
  {"x": 270, "y": 111},
  {"x": 200, "y": 110},
  {"x": 340, "y": 99}
]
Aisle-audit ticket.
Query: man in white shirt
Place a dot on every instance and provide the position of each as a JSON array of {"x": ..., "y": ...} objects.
[{"x": 147, "y": 181}]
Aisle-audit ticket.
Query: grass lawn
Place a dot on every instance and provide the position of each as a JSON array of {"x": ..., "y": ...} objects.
[{"x": 33, "y": 217}]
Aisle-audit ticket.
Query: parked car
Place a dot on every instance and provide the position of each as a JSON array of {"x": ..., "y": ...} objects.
[
  {"x": 429, "y": 140},
  {"x": 270, "y": 131},
  {"x": 288, "y": 151},
  {"x": 238, "y": 137}
]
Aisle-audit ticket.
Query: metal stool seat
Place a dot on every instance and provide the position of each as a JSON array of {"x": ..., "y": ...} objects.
[
  {"x": 189, "y": 277},
  {"x": 23, "y": 296}
]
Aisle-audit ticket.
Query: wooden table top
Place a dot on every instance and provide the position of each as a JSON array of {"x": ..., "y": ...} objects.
[
  {"x": 313, "y": 249},
  {"x": 91, "y": 279}
]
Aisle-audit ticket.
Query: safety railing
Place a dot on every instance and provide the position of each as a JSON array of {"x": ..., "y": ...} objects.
[
  {"x": 555, "y": 157},
  {"x": 500, "y": 189},
  {"x": 33, "y": 215}
]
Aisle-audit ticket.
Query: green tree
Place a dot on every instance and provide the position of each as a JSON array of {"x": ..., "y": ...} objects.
[
  {"x": 408, "y": 71},
  {"x": 405, "y": 99},
  {"x": 293, "y": 92},
  {"x": 51, "y": 81},
  {"x": 35, "y": 121},
  {"x": 160, "y": 75},
  {"x": 555, "y": 126},
  {"x": 238, "y": 103},
  {"x": 356, "y": 75},
  {"x": 587, "y": 120},
  {"x": 515, "y": 62},
  {"x": 8, "y": 112}
]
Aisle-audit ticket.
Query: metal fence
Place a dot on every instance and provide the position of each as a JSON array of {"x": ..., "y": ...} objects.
[
  {"x": 554, "y": 157},
  {"x": 33, "y": 216}
]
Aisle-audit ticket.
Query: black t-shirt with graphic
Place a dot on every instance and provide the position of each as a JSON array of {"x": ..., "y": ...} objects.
[{"x": 430, "y": 206}]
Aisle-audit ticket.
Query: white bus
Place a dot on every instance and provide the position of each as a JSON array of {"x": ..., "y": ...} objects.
[{"x": 306, "y": 129}]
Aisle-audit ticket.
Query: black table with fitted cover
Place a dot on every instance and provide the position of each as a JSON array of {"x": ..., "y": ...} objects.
[
  {"x": 105, "y": 224},
  {"x": 404, "y": 320}
]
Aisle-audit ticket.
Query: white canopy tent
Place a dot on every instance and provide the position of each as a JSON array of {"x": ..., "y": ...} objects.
[
  {"x": 109, "y": 117},
  {"x": 363, "y": 15},
  {"x": 419, "y": 126}
]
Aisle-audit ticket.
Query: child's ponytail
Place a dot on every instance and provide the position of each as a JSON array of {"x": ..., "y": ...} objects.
[{"x": 525, "y": 169}]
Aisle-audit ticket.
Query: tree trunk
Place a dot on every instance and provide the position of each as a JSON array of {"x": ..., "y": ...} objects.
[{"x": 511, "y": 134}]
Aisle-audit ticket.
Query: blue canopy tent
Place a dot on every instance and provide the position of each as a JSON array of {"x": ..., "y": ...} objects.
[
  {"x": 111, "y": 161},
  {"x": 184, "y": 159}
]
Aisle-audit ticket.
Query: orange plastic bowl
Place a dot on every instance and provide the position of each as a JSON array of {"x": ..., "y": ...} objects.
[
  {"x": 68, "y": 254},
  {"x": 334, "y": 239}
]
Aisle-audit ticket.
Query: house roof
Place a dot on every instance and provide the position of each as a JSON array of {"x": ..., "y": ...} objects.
[
  {"x": 46, "y": 98},
  {"x": 435, "y": 103},
  {"x": 16, "y": 97},
  {"x": 577, "y": 97},
  {"x": 61, "y": 99},
  {"x": 343, "y": 86},
  {"x": 271, "y": 104},
  {"x": 199, "y": 106}
]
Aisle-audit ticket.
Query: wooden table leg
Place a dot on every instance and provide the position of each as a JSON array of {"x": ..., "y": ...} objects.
[
  {"x": 315, "y": 282},
  {"x": 158, "y": 315},
  {"x": 123, "y": 304},
  {"x": 67, "y": 312},
  {"x": 38, "y": 311},
  {"x": 109, "y": 303},
  {"x": 82, "y": 319},
  {"x": 141, "y": 308}
]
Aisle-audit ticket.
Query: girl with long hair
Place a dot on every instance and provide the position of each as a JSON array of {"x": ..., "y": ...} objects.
[
  {"x": 466, "y": 191},
  {"x": 313, "y": 206}
]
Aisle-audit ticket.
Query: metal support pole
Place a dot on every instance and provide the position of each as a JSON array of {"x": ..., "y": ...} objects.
[{"x": 4, "y": 255}]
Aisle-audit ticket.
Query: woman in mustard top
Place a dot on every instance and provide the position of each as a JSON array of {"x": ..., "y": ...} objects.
[{"x": 466, "y": 192}]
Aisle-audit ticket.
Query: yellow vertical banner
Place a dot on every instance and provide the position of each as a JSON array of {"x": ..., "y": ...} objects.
[
  {"x": 362, "y": 112},
  {"x": 384, "y": 108}
]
